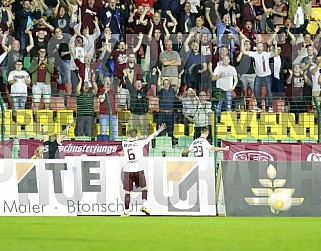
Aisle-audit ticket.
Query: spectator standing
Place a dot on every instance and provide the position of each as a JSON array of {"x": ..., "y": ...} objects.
[
  {"x": 89, "y": 40},
  {"x": 6, "y": 16},
  {"x": 189, "y": 102},
  {"x": 104, "y": 112},
  {"x": 200, "y": 29},
  {"x": 278, "y": 68},
  {"x": 41, "y": 69},
  {"x": 195, "y": 60},
  {"x": 24, "y": 18},
  {"x": 61, "y": 17},
  {"x": 186, "y": 19},
  {"x": 85, "y": 107},
  {"x": 249, "y": 14},
  {"x": 20, "y": 80},
  {"x": 210, "y": 14},
  {"x": 138, "y": 105},
  {"x": 133, "y": 70},
  {"x": 167, "y": 96},
  {"x": 120, "y": 56},
  {"x": 113, "y": 17},
  {"x": 88, "y": 14},
  {"x": 171, "y": 61},
  {"x": 315, "y": 70},
  {"x": 15, "y": 52},
  {"x": 295, "y": 90},
  {"x": 226, "y": 79},
  {"x": 122, "y": 98},
  {"x": 245, "y": 68},
  {"x": 263, "y": 72}
]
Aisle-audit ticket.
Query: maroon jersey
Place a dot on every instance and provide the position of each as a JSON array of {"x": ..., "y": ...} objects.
[{"x": 120, "y": 61}]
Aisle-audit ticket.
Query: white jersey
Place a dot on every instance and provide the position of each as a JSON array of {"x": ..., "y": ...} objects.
[
  {"x": 134, "y": 152},
  {"x": 200, "y": 147}
]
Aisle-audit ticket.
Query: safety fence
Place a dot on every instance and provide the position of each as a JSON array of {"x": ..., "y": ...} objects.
[{"x": 289, "y": 120}]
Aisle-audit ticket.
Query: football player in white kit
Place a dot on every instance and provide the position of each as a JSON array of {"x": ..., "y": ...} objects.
[
  {"x": 133, "y": 150},
  {"x": 201, "y": 146}
]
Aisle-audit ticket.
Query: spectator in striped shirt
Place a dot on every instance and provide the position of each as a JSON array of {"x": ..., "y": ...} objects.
[{"x": 85, "y": 106}]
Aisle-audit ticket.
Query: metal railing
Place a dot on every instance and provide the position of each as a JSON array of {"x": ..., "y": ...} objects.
[{"x": 281, "y": 125}]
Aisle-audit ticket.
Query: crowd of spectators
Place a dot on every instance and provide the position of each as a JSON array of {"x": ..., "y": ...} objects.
[{"x": 177, "y": 52}]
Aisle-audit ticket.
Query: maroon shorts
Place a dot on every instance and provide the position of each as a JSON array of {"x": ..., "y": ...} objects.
[{"x": 134, "y": 177}]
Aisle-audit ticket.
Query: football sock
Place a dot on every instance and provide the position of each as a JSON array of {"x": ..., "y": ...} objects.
[
  {"x": 127, "y": 201},
  {"x": 144, "y": 195}
]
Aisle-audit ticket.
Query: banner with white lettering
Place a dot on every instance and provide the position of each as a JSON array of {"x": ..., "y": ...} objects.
[
  {"x": 73, "y": 148},
  {"x": 94, "y": 186}
]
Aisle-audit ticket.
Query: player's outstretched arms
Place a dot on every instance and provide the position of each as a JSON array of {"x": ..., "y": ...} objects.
[
  {"x": 161, "y": 128},
  {"x": 216, "y": 149},
  {"x": 184, "y": 151}
]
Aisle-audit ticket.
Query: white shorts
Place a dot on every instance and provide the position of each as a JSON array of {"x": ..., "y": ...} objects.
[{"x": 41, "y": 89}]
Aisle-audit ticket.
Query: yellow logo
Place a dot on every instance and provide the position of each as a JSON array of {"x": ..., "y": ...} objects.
[{"x": 279, "y": 199}]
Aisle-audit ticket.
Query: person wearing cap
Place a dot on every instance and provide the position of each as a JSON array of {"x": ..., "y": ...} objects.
[{"x": 50, "y": 149}]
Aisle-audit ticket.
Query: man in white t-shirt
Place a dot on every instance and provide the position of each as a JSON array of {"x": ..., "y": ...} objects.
[
  {"x": 315, "y": 70},
  {"x": 133, "y": 150},
  {"x": 226, "y": 79},
  {"x": 263, "y": 72},
  {"x": 201, "y": 146},
  {"x": 20, "y": 80}
]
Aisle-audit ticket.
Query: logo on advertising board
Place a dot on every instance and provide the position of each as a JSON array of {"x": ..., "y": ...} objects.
[
  {"x": 314, "y": 157},
  {"x": 273, "y": 194},
  {"x": 252, "y": 155},
  {"x": 183, "y": 186},
  {"x": 26, "y": 177}
]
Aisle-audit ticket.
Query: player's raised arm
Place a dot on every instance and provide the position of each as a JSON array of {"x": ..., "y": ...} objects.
[{"x": 161, "y": 128}]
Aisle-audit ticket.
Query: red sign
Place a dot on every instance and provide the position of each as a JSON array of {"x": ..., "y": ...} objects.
[
  {"x": 75, "y": 148},
  {"x": 6, "y": 149},
  {"x": 272, "y": 151}
]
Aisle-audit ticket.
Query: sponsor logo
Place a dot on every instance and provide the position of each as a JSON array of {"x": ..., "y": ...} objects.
[
  {"x": 26, "y": 177},
  {"x": 279, "y": 199},
  {"x": 252, "y": 156},
  {"x": 183, "y": 186},
  {"x": 314, "y": 157}
]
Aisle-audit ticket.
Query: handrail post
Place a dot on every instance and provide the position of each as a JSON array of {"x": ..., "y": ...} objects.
[
  {"x": 2, "y": 116},
  {"x": 316, "y": 103}
]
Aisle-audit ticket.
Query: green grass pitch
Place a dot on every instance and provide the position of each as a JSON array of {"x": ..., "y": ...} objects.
[{"x": 159, "y": 233}]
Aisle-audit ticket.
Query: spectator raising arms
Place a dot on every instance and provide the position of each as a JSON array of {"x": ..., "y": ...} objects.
[{"x": 85, "y": 106}]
